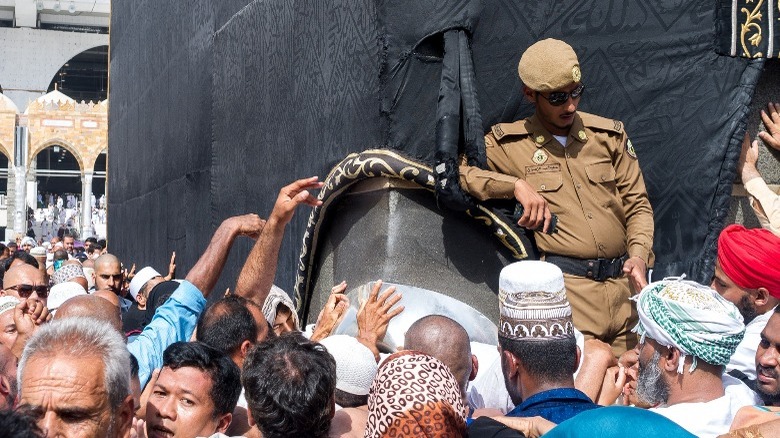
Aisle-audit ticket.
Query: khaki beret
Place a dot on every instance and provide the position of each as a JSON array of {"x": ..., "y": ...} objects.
[{"x": 549, "y": 65}]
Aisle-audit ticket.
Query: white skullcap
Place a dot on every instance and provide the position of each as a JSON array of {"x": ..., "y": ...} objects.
[
  {"x": 28, "y": 241},
  {"x": 355, "y": 364},
  {"x": 38, "y": 251},
  {"x": 62, "y": 292},
  {"x": 140, "y": 279},
  {"x": 8, "y": 303},
  {"x": 532, "y": 302}
]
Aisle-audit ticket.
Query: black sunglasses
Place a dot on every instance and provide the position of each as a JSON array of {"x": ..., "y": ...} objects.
[
  {"x": 558, "y": 98},
  {"x": 25, "y": 290}
]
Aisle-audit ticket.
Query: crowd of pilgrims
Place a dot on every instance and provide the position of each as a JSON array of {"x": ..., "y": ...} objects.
[{"x": 89, "y": 347}]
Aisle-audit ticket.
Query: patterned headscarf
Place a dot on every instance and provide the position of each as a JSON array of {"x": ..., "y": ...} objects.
[
  {"x": 275, "y": 297},
  {"x": 690, "y": 317},
  {"x": 414, "y": 394},
  {"x": 67, "y": 273}
]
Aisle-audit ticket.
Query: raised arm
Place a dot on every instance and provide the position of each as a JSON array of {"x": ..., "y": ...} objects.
[
  {"x": 206, "y": 272},
  {"x": 257, "y": 276}
]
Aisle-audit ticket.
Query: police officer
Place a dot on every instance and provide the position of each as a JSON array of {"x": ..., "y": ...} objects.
[{"x": 584, "y": 169}]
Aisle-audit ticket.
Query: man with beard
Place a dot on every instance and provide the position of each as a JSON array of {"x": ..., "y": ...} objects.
[
  {"x": 748, "y": 275},
  {"x": 688, "y": 334},
  {"x": 536, "y": 343}
]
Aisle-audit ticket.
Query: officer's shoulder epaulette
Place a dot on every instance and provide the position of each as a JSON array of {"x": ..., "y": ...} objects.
[
  {"x": 506, "y": 129},
  {"x": 599, "y": 123}
]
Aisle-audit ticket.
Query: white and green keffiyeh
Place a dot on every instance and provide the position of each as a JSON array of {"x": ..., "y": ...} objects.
[{"x": 690, "y": 317}]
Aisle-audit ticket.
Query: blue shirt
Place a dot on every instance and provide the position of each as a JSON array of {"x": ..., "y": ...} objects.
[
  {"x": 174, "y": 321},
  {"x": 556, "y": 405}
]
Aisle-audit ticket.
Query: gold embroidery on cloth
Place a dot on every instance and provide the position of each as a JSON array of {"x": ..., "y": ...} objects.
[{"x": 751, "y": 25}]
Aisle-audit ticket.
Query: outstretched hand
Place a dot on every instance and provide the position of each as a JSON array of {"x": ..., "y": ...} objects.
[
  {"x": 375, "y": 314},
  {"x": 771, "y": 118},
  {"x": 748, "y": 158},
  {"x": 292, "y": 195},
  {"x": 332, "y": 313}
]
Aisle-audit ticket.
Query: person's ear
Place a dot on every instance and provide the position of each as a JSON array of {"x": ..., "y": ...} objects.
[
  {"x": 577, "y": 358},
  {"x": 530, "y": 95},
  {"x": 125, "y": 417},
  {"x": 761, "y": 296},
  {"x": 224, "y": 422},
  {"x": 245, "y": 347},
  {"x": 474, "y": 367},
  {"x": 670, "y": 360},
  {"x": 249, "y": 418},
  {"x": 512, "y": 367}
]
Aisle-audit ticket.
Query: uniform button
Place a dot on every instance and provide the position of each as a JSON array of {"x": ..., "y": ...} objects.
[
  {"x": 603, "y": 178},
  {"x": 601, "y": 246},
  {"x": 579, "y": 186},
  {"x": 590, "y": 215},
  {"x": 542, "y": 186},
  {"x": 567, "y": 155}
]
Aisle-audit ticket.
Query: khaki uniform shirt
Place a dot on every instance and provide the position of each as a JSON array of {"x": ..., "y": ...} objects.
[{"x": 594, "y": 184}]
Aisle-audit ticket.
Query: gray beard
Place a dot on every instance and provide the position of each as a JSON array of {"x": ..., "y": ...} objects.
[{"x": 651, "y": 387}]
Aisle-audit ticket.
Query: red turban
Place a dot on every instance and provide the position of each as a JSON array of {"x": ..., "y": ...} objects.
[{"x": 750, "y": 258}]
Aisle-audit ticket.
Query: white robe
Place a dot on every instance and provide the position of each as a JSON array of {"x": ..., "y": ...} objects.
[
  {"x": 712, "y": 418},
  {"x": 744, "y": 358}
]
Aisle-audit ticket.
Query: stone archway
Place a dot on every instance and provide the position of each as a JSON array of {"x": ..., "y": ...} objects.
[{"x": 54, "y": 189}]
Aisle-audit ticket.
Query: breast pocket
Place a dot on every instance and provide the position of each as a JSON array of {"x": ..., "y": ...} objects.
[
  {"x": 545, "y": 182},
  {"x": 602, "y": 175}
]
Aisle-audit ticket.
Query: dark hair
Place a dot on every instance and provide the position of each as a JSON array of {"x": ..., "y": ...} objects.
[
  {"x": 289, "y": 384},
  {"x": 90, "y": 240},
  {"x": 60, "y": 254},
  {"x": 12, "y": 245},
  {"x": 550, "y": 360},
  {"x": 349, "y": 400},
  {"x": 68, "y": 233},
  {"x": 15, "y": 424},
  {"x": 226, "y": 324},
  {"x": 134, "y": 367},
  {"x": 2, "y": 247},
  {"x": 224, "y": 374},
  {"x": 102, "y": 243}
]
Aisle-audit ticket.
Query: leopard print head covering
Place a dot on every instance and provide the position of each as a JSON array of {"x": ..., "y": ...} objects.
[{"x": 414, "y": 394}]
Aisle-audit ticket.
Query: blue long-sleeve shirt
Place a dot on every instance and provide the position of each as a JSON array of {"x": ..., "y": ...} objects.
[{"x": 174, "y": 321}]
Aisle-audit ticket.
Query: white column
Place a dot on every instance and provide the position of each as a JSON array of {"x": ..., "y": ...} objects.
[
  {"x": 86, "y": 206},
  {"x": 32, "y": 185},
  {"x": 20, "y": 215}
]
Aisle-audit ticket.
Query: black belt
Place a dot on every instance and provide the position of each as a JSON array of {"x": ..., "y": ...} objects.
[{"x": 596, "y": 269}]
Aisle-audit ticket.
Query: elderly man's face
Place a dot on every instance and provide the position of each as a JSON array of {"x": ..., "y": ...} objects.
[
  {"x": 108, "y": 276},
  {"x": 24, "y": 281},
  {"x": 181, "y": 406},
  {"x": 7, "y": 329},
  {"x": 651, "y": 386},
  {"x": 67, "y": 396},
  {"x": 768, "y": 362}
]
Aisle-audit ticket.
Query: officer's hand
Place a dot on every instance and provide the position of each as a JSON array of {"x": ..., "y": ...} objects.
[
  {"x": 747, "y": 160},
  {"x": 536, "y": 211},
  {"x": 771, "y": 118},
  {"x": 636, "y": 270}
]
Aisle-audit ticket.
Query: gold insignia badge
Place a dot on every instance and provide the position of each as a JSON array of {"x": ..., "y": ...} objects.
[
  {"x": 540, "y": 139},
  {"x": 540, "y": 156},
  {"x": 576, "y": 74},
  {"x": 581, "y": 135},
  {"x": 630, "y": 149}
]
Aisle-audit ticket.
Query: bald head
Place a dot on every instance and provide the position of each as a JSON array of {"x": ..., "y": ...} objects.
[
  {"x": 446, "y": 340},
  {"x": 108, "y": 274},
  {"x": 91, "y": 306}
]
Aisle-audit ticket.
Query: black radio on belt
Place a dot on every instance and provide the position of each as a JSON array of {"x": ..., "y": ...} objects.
[{"x": 519, "y": 209}]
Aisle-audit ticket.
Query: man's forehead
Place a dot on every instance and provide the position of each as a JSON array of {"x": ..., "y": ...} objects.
[
  {"x": 63, "y": 379},
  {"x": 187, "y": 379},
  {"x": 772, "y": 330},
  {"x": 22, "y": 274}
]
